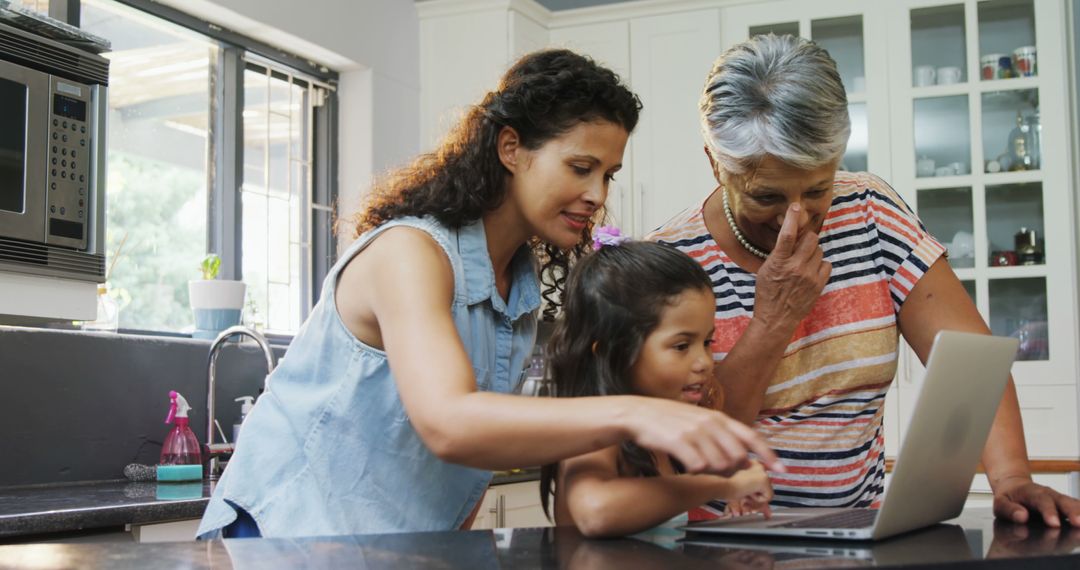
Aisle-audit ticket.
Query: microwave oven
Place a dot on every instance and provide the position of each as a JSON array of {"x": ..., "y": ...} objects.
[{"x": 53, "y": 108}]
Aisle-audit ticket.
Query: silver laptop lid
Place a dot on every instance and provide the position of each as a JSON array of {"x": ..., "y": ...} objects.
[{"x": 965, "y": 379}]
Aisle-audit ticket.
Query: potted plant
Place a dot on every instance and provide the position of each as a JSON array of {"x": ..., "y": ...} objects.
[{"x": 216, "y": 303}]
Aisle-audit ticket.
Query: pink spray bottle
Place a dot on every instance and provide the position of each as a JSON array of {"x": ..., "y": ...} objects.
[{"x": 181, "y": 447}]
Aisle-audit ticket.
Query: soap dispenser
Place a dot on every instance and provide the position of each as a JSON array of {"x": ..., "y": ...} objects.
[
  {"x": 245, "y": 407},
  {"x": 180, "y": 447}
]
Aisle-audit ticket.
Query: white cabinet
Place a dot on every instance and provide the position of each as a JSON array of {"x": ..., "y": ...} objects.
[
  {"x": 670, "y": 57},
  {"x": 940, "y": 134},
  {"x": 967, "y": 154},
  {"x": 172, "y": 531},
  {"x": 513, "y": 505},
  {"x": 464, "y": 48},
  {"x": 608, "y": 43},
  {"x": 854, "y": 38}
]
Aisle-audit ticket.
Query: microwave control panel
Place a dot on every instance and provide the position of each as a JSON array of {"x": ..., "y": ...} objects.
[{"x": 69, "y": 183}]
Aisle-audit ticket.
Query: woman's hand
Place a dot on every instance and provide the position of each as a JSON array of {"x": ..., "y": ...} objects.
[
  {"x": 704, "y": 441},
  {"x": 793, "y": 277}
]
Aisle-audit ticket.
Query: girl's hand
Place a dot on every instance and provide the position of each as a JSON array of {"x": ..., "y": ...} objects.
[
  {"x": 747, "y": 506},
  {"x": 704, "y": 441},
  {"x": 752, "y": 490}
]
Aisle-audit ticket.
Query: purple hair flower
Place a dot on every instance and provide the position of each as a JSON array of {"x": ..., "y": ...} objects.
[{"x": 608, "y": 236}]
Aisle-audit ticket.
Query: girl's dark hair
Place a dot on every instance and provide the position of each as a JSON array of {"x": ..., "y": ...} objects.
[
  {"x": 542, "y": 96},
  {"x": 614, "y": 299}
]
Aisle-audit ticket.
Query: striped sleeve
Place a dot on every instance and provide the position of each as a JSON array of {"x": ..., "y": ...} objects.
[{"x": 907, "y": 249}]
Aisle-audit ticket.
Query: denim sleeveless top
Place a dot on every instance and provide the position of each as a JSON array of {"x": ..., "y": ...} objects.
[{"x": 329, "y": 449}]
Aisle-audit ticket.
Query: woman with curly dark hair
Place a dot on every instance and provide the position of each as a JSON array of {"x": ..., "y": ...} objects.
[{"x": 392, "y": 403}]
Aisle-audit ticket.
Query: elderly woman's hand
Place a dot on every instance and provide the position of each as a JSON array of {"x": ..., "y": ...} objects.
[{"x": 792, "y": 278}]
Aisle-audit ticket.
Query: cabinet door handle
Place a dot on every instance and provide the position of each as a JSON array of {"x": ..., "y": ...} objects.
[
  {"x": 500, "y": 514},
  {"x": 623, "y": 219},
  {"x": 641, "y": 209}
]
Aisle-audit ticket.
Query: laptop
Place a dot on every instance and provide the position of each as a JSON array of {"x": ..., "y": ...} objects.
[{"x": 965, "y": 378}]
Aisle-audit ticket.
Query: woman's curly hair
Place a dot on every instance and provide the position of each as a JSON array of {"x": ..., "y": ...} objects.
[{"x": 542, "y": 96}]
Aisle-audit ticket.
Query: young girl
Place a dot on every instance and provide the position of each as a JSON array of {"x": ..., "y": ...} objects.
[
  {"x": 392, "y": 403},
  {"x": 637, "y": 319}
]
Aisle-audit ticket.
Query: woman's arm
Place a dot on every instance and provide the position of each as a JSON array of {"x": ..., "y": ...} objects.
[
  {"x": 403, "y": 283},
  {"x": 939, "y": 302},
  {"x": 788, "y": 284},
  {"x": 601, "y": 503}
]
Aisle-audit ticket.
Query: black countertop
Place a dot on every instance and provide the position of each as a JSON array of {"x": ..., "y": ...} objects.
[
  {"x": 41, "y": 509},
  {"x": 974, "y": 540},
  {"x": 78, "y": 506}
]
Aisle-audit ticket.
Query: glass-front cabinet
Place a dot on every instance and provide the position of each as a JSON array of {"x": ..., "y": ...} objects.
[
  {"x": 843, "y": 29},
  {"x": 973, "y": 87},
  {"x": 959, "y": 106}
]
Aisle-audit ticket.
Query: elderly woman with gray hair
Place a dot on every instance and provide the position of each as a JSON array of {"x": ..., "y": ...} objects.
[{"x": 816, "y": 273}]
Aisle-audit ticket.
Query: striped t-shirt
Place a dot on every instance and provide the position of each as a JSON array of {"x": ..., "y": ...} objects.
[{"x": 822, "y": 410}]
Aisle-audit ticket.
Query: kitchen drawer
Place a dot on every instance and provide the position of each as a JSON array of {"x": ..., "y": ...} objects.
[{"x": 515, "y": 505}]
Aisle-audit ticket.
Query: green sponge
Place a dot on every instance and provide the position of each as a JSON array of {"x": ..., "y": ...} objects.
[{"x": 179, "y": 472}]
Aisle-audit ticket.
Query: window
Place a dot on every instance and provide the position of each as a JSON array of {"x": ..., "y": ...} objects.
[
  {"x": 159, "y": 111},
  {"x": 212, "y": 148},
  {"x": 276, "y": 192},
  {"x": 40, "y": 6}
]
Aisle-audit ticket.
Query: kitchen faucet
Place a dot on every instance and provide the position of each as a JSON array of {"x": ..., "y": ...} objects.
[{"x": 215, "y": 350}]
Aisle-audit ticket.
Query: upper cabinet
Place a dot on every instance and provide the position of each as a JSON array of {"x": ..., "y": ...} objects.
[
  {"x": 670, "y": 57},
  {"x": 853, "y": 34},
  {"x": 979, "y": 148},
  {"x": 609, "y": 44},
  {"x": 664, "y": 59},
  {"x": 464, "y": 48}
]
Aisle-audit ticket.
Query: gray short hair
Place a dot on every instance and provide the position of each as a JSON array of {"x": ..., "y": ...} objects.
[{"x": 777, "y": 96}]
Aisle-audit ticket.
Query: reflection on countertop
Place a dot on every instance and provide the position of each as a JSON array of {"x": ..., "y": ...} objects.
[{"x": 975, "y": 540}]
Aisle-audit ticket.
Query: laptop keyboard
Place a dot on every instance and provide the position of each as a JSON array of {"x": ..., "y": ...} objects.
[{"x": 854, "y": 518}]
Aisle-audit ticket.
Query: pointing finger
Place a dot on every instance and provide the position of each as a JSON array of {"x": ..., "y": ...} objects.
[{"x": 785, "y": 242}]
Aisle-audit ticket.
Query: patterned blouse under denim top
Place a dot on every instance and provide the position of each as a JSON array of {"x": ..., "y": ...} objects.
[
  {"x": 329, "y": 449},
  {"x": 822, "y": 411}
]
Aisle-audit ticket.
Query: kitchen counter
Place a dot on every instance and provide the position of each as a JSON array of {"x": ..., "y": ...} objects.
[
  {"x": 974, "y": 540},
  {"x": 77, "y": 506},
  {"x": 42, "y": 509}
]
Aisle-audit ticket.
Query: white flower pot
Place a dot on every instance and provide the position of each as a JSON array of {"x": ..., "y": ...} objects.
[{"x": 217, "y": 305}]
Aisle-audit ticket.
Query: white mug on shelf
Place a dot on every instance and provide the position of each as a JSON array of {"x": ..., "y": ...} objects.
[
  {"x": 925, "y": 75},
  {"x": 948, "y": 75},
  {"x": 958, "y": 167},
  {"x": 924, "y": 166},
  {"x": 944, "y": 171}
]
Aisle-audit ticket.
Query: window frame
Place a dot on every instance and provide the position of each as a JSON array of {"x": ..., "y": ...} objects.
[{"x": 226, "y": 148}]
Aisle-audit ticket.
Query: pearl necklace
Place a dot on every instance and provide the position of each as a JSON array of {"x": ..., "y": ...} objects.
[{"x": 735, "y": 229}]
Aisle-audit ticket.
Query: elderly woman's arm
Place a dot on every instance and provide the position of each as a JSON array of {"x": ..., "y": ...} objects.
[
  {"x": 788, "y": 284},
  {"x": 939, "y": 302}
]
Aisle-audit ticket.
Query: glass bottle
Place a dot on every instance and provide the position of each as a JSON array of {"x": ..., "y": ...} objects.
[
  {"x": 1034, "y": 138},
  {"x": 108, "y": 313},
  {"x": 1025, "y": 242},
  {"x": 1020, "y": 145}
]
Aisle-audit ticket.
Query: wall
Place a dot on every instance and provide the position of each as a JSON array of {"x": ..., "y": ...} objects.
[{"x": 80, "y": 406}]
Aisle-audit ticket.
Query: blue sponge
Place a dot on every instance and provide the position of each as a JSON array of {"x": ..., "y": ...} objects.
[{"x": 179, "y": 472}]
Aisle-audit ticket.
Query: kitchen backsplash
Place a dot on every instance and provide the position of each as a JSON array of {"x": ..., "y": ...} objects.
[{"x": 78, "y": 406}]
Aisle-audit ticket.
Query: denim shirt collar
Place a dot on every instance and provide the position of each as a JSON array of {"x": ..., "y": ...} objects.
[{"x": 480, "y": 275}]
